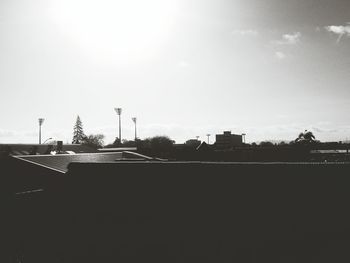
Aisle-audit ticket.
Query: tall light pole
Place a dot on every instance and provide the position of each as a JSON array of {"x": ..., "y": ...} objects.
[
  {"x": 41, "y": 121},
  {"x": 243, "y": 135},
  {"x": 134, "y": 120},
  {"x": 119, "y": 112},
  {"x": 208, "y": 135}
]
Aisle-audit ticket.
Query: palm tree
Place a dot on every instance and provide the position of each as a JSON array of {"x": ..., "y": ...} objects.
[{"x": 306, "y": 137}]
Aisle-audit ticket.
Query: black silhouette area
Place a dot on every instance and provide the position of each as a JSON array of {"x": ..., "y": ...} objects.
[{"x": 177, "y": 212}]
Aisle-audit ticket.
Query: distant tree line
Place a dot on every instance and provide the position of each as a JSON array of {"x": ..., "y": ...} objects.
[
  {"x": 163, "y": 146},
  {"x": 157, "y": 144},
  {"x": 305, "y": 138}
]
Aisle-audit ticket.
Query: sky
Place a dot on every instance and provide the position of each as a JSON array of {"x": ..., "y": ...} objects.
[{"x": 184, "y": 68}]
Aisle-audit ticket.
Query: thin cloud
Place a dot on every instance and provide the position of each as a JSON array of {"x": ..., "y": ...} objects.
[
  {"x": 323, "y": 130},
  {"x": 339, "y": 30},
  {"x": 6, "y": 133},
  {"x": 246, "y": 32},
  {"x": 289, "y": 39},
  {"x": 183, "y": 64},
  {"x": 280, "y": 55}
]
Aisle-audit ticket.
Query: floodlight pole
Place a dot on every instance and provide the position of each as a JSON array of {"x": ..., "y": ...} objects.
[
  {"x": 243, "y": 135},
  {"x": 134, "y": 119},
  {"x": 41, "y": 121},
  {"x": 208, "y": 135},
  {"x": 119, "y": 113}
]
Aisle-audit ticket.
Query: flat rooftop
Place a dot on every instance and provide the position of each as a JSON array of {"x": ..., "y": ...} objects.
[{"x": 60, "y": 162}]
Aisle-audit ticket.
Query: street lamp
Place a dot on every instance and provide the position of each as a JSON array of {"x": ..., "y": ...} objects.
[
  {"x": 197, "y": 137},
  {"x": 47, "y": 140},
  {"x": 41, "y": 121},
  {"x": 134, "y": 120},
  {"x": 119, "y": 112},
  {"x": 208, "y": 135}
]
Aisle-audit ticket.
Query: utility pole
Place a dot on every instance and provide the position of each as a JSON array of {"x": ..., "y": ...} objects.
[
  {"x": 41, "y": 121},
  {"x": 208, "y": 135},
  {"x": 119, "y": 113},
  {"x": 134, "y": 119}
]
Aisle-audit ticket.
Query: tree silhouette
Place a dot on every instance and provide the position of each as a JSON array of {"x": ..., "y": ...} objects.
[
  {"x": 93, "y": 140},
  {"x": 78, "y": 132},
  {"x": 305, "y": 137},
  {"x": 266, "y": 144},
  {"x": 161, "y": 143},
  {"x": 192, "y": 143}
]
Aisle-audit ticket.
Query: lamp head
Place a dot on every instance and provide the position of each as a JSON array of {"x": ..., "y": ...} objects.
[
  {"x": 41, "y": 121},
  {"x": 134, "y": 119},
  {"x": 118, "y": 110}
]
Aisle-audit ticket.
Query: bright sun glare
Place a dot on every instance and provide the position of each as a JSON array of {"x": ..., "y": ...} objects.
[{"x": 121, "y": 32}]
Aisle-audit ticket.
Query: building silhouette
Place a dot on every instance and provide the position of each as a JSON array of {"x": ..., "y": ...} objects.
[{"x": 228, "y": 140}]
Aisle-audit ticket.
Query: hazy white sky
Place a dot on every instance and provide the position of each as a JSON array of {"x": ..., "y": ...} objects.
[{"x": 268, "y": 68}]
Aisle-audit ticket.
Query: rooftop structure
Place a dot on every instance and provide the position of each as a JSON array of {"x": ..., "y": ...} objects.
[
  {"x": 60, "y": 162},
  {"x": 228, "y": 140},
  {"x": 42, "y": 149}
]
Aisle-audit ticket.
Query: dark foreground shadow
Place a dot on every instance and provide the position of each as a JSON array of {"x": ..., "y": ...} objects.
[{"x": 184, "y": 212}]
